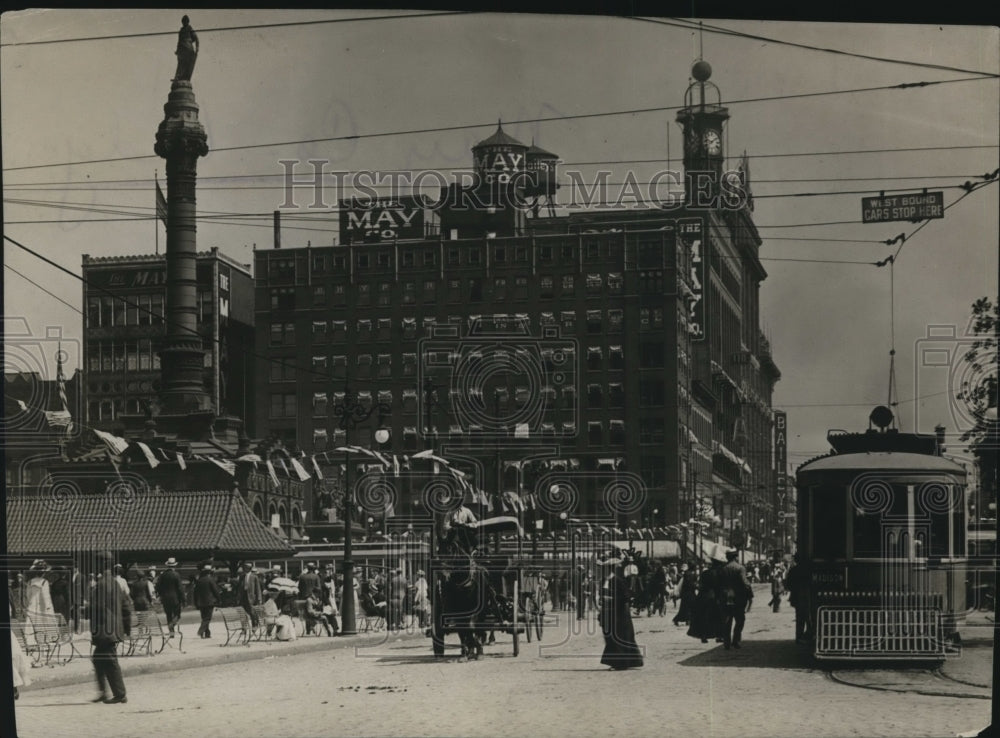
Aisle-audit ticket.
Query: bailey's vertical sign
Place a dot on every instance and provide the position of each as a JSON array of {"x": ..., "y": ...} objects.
[
  {"x": 914, "y": 206},
  {"x": 691, "y": 235},
  {"x": 780, "y": 447}
]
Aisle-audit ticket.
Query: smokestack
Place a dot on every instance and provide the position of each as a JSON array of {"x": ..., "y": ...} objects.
[
  {"x": 277, "y": 229},
  {"x": 939, "y": 432}
]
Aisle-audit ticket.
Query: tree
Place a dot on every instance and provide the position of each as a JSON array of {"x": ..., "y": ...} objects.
[{"x": 978, "y": 389}]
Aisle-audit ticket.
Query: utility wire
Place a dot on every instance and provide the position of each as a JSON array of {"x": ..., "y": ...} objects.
[
  {"x": 708, "y": 28},
  {"x": 546, "y": 119},
  {"x": 218, "y": 29}
]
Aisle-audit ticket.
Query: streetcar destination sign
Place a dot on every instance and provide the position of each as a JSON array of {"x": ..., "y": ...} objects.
[{"x": 916, "y": 206}]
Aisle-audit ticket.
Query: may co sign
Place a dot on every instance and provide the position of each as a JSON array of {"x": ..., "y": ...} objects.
[{"x": 918, "y": 206}]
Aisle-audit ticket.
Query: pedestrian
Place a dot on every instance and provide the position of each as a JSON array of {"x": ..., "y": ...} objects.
[
  {"x": 59, "y": 589},
  {"x": 308, "y": 581},
  {"x": 777, "y": 589},
  {"x": 421, "y": 599},
  {"x": 398, "y": 588},
  {"x": 206, "y": 597},
  {"x": 735, "y": 596},
  {"x": 328, "y": 598},
  {"x": 170, "y": 590},
  {"x": 20, "y": 665},
  {"x": 620, "y": 648},
  {"x": 122, "y": 582},
  {"x": 798, "y": 581},
  {"x": 78, "y": 592},
  {"x": 109, "y": 610},
  {"x": 688, "y": 592},
  {"x": 578, "y": 592},
  {"x": 315, "y": 615},
  {"x": 139, "y": 592},
  {"x": 151, "y": 575},
  {"x": 251, "y": 595},
  {"x": 705, "y": 616}
]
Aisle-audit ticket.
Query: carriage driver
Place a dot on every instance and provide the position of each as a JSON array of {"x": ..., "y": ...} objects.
[{"x": 460, "y": 517}]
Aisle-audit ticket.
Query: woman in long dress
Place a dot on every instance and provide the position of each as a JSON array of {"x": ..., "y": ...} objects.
[
  {"x": 620, "y": 648},
  {"x": 21, "y": 667},
  {"x": 38, "y": 608},
  {"x": 705, "y": 618}
]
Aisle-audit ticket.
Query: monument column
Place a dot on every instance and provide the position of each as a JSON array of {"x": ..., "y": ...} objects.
[{"x": 181, "y": 139}]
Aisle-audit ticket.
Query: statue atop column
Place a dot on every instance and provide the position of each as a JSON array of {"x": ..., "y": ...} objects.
[{"x": 187, "y": 51}]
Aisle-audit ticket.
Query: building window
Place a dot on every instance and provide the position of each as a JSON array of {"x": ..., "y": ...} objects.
[
  {"x": 384, "y": 329},
  {"x": 364, "y": 366},
  {"x": 365, "y": 329},
  {"x": 651, "y": 392},
  {"x": 651, "y": 430},
  {"x": 282, "y": 270},
  {"x": 651, "y": 282},
  {"x": 475, "y": 289},
  {"x": 500, "y": 254},
  {"x": 430, "y": 289},
  {"x": 615, "y": 283},
  {"x": 409, "y": 365},
  {"x": 568, "y": 285},
  {"x": 454, "y": 290},
  {"x": 340, "y": 262},
  {"x": 319, "y": 264},
  {"x": 567, "y": 252},
  {"x": 282, "y": 369},
  {"x": 283, "y": 405},
  {"x": 409, "y": 292},
  {"x": 595, "y": 321},
  {"x": 364, "y": 294},
  {"x": 409, "y": 328},
  {"x": 500, "y": 289},
  {"x": 132, "y": 312},
  {"x": 156, "y": 305},
  {"x": 594, "y": 361},
  {"x": 339, "y": 330},
  {"x": 521, "y": 254},
  {"x": 595, "y": 433},
  {"x": 652, "y": 470},
  {"x": 616, "y": 395},
  {"x": 594, "y": 285},
  {"x": 520, "y": 288},
  {"x": 408, "y": 258},
  {"x": 385, "y": 365},
  {"x": 545, "y": 287},
  {"x": 430, "y": 258},
  {"x": 593, "y": 250},
  {"x": 595, "y": 396},
  {"x": 385, "y": 294},
  {"x": 615, "y": 319},
  {"x": 475, "y": 255},
  {"x": 651, "y": 355},
  {"x": 319, "y": 331},
  {"x": 617, "y": 428},
  {"x": 340, "y": 367},
  {"x": 384, "y": 259},
  {"x": 319, "y": 295},
  {"x": 454, "y": 257},
  {"x": 339, "y": 295},
  {"x": 362, "y": 260},
  {"x": 568, "y": 320},
  {"x": 319, "y": 403},
  {"x": 545, "y": 254}
]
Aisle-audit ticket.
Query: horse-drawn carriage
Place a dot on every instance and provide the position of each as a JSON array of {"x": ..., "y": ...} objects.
[{"x": 475, "y": 592}]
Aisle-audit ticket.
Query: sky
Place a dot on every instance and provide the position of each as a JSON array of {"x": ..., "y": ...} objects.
[{"x": 828, "y": 322}]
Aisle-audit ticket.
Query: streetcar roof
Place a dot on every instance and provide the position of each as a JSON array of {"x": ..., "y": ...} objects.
[{"x": 888, "y": 460}]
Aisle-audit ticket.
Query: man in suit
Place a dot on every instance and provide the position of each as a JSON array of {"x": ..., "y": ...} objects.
[
  {"x": 250, "y": 593},
  {"x": 170, "y": 590},
  {"x": 206, "y": 598},
  {"x": 109, "y": 610},
  {"x": 308, "y": 581},
  {"x": 734, "y": 595}
]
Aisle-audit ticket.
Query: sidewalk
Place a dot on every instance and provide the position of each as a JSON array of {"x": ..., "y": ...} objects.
[{"x": 199, "y": 652}]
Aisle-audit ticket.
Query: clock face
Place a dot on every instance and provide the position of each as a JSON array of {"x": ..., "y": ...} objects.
[{"x": 712, "y": 142}]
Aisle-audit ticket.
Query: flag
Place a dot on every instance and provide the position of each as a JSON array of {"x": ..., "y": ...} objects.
[
  {"x": 180, "y": 461},
  {"x": 161, "y": 204},
  {"x": 284, "y": 467},
  {"x": 148, "y": 453},
  {"x": 274, "y": 476},
  {"x": 63, "y": 415},
  {"x": 114, "y": 443},
  {"x": 224, "y": 464},
  {"x": 299, "y": 470}
]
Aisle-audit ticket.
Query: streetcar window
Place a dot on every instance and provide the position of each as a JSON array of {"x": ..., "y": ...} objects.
[
  {"x": 958, "y": 523},
  {"x": 829, "y": 521},
  {"x": 879, "y": 512}
]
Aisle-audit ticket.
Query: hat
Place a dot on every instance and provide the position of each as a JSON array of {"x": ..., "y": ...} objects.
[
  {"x": 252, "y": 566},
  {"x": 39, "y": 565},
  {"x": 152, "y": 568},
  {"x": 276, "y": 567},
  {"x": 104, "y": 557},
  {"x": 117, "y": 567},
  {"x": 311, "y": 565},
  {"x": 171, "y": 562},
  {"x": 420, "y": 572},
  {"x": 206, "y": 567},
  {"x": 731, "y": 553},
  {"x": 684, "y": 567}
]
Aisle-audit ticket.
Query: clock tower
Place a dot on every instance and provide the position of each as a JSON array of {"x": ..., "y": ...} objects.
[{"x": 702, "y": 120}]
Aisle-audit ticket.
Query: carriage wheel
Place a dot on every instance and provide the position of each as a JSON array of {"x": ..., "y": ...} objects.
[
  {"x": 539, "y": 619},
  {"x": 527, "y": 615}
]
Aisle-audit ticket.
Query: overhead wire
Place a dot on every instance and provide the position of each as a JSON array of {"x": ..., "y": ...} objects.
[{"x": 522, "y": 121}]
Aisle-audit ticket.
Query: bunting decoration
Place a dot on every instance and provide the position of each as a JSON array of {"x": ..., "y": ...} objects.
[
  {"x": 224, "y": 464},
  {"x": 273, "y": 473},
  {"x": 319, "y": 474},
  {"x": 180, "y": 461},
  {"x": 302, "y": 474},
  {"x": 117, "y": 445},
  {"x": 148, "y": 453}
]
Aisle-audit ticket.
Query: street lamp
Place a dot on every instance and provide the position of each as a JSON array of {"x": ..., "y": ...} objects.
[{"x": 350, "y": 414}]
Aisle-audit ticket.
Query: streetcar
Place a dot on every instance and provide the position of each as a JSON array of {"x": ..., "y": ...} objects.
[{"x": 882, "y": 531}]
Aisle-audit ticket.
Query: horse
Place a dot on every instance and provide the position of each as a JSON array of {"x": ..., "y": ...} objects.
[{"x": 459, "y": 594}]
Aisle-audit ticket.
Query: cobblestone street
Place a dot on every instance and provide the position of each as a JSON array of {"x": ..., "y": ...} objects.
[{"x": 394, "y": 687}]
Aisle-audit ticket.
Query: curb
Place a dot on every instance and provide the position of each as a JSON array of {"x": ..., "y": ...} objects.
[{"x": 227, "y": 655}]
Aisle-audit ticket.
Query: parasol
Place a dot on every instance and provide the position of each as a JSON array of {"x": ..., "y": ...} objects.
[{"x": 283, "y": 584}]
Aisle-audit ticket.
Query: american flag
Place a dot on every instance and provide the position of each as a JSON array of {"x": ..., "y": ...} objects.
[
  {"x": 161, "y": 204},
  {"x": 60, "y": 418}
]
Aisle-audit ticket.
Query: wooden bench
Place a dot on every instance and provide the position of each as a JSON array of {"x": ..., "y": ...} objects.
[
  {"x": 369, "y": 618},
  {"x": 264, "y": 631},
  {"x": 238, "y": 624},
  {"x": 18, "y": 627},
  {"x": 138, "y": 638}
]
